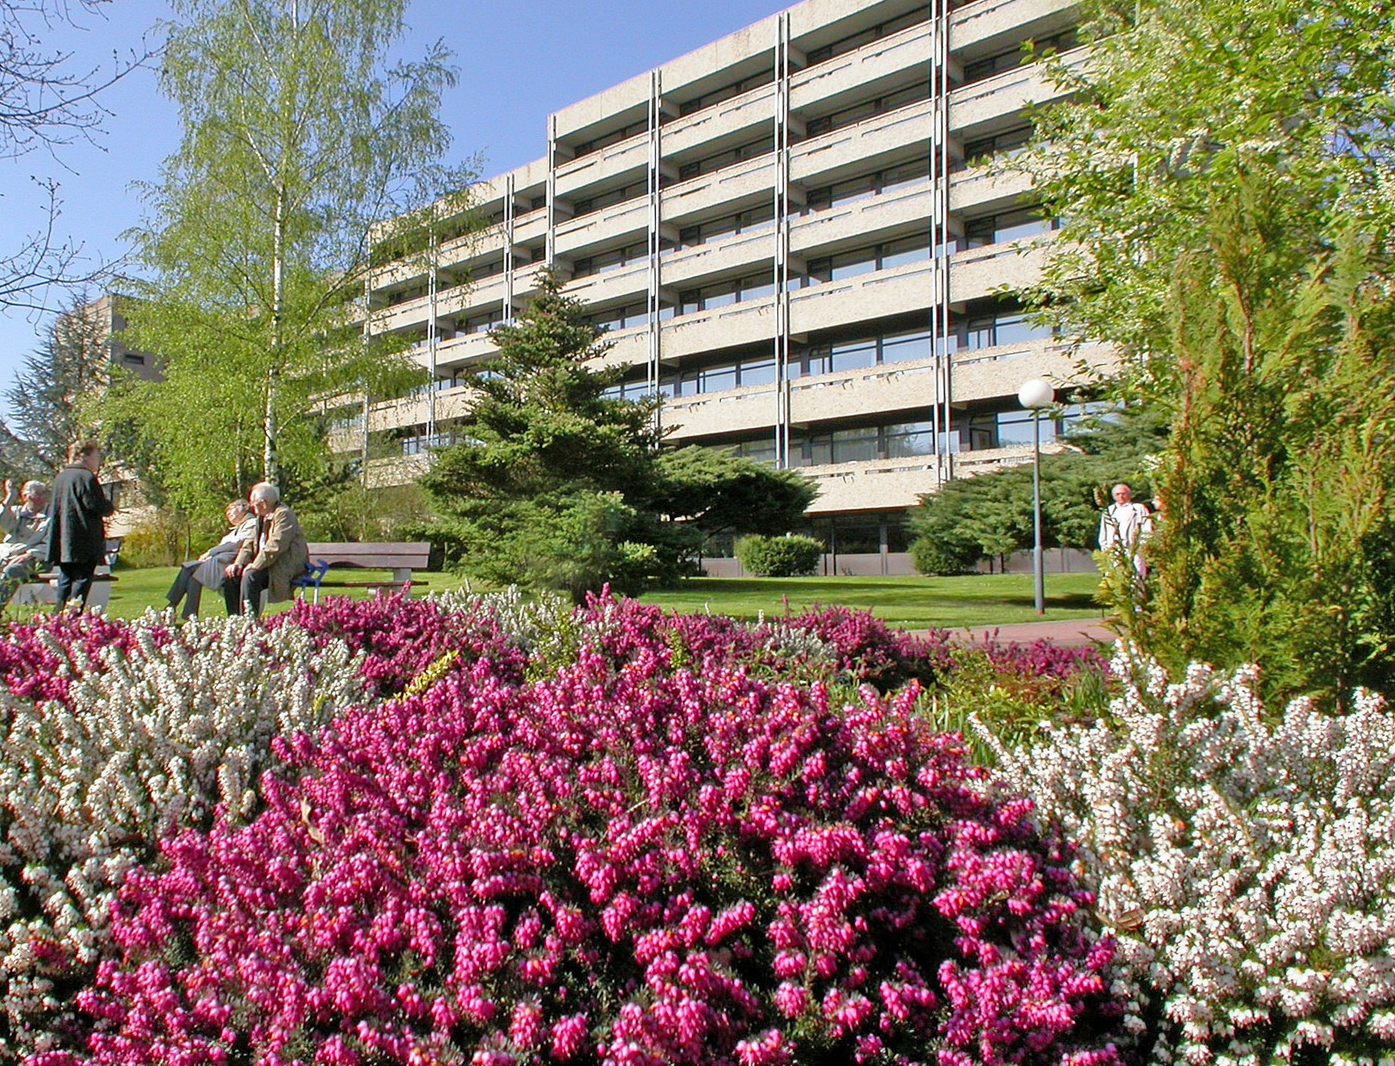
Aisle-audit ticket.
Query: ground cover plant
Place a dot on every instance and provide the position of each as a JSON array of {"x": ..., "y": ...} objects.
[
  {"x": 612, "y": 812},
  {"x": 113, "y": 735},
  {"x": 1245, "y": 862}
]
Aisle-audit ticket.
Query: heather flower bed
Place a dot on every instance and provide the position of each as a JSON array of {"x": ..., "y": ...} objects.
[
  {"x": 606, "y": 835},
  {"x": 1246, "y": 865},
  {"x": 629, "y": 865}
]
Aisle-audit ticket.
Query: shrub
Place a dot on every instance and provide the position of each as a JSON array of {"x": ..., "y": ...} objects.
[
  {"x": 1247, "y": 867},
  {"x": 401, "y": 637},
  {"x": 787, "y": 556},
  {"x": 626, "y": 863},
  {"x": 115, "y": 734}
]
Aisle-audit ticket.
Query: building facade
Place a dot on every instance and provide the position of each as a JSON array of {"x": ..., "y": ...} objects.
[{"x": 786, "y": 234}]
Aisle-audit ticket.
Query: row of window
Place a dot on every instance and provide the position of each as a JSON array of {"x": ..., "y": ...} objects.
[
  {"x": 968, "y": 333},
  {"x": 1016, "y": 56},
  {"x": 755, "y": 81},
  {"x": 979, "y": 431}
]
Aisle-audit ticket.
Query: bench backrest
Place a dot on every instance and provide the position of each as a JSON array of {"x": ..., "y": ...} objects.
[{"x": 398, "y": 556}]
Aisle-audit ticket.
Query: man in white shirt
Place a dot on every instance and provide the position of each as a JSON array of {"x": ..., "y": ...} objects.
[{"x": 1124, "y": 526}]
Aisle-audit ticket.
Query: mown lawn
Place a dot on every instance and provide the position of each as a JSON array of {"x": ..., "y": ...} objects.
[{"x": 908, "y": 602}]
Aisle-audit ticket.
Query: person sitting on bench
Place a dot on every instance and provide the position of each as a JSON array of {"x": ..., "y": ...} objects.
[
  {"x": 207, "y": 570},
  {"x": 24, "y": 551},
  {"x": 268, "y": 560}
]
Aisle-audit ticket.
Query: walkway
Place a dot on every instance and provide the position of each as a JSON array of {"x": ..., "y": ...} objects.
[{"x": 1070, "y": 633}]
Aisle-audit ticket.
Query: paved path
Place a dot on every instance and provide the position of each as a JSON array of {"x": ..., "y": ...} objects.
[{"x": 1074, "y": 633}]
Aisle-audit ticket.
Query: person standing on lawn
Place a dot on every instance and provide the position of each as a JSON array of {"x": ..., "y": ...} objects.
[
  {"x": 77, "y": 535},
  {"x": 268, "y": 560},
  {"x": 1124, "y": 527}
]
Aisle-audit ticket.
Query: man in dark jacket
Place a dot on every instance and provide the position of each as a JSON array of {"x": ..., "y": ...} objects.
[{"x": 77, "y": 536}]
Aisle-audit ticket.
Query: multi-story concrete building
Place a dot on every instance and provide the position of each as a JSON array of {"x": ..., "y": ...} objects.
[{"x": 787, "y": 236}]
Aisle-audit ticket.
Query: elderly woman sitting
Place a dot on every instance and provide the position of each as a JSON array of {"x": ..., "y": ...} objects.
[{"x": 207, "y": 569}]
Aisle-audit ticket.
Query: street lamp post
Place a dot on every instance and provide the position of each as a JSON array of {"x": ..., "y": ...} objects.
[{"x": 1035, "y": 394}]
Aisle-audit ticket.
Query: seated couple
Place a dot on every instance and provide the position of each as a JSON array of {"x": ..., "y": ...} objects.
[
  {"x": 207, "y": 571},
  {"x": 263, "y": 552}
]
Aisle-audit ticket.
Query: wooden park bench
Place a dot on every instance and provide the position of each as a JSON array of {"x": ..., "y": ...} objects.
[
  {"x": 401, "y": 558},
  {"x": 42, "y": 589}
]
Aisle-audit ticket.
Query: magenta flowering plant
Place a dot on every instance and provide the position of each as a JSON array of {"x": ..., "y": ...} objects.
[
  {"x": 401, "y": 638},
  {"x": 39, "y": 659},
  {"x": 625, "y": 863}
]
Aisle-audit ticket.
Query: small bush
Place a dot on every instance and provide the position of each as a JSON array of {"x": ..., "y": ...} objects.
[
  {"x": 787, "y": 556},
  {"x": 1246, "y": 864},
  {"x": 166, "y": 538}
]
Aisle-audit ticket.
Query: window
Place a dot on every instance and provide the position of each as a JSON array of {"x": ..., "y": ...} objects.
[
  {"x": 856, "y": 40},
  {"x": 1007, "y": 143},
  {"x": 605, "y": 140},
  {"x": 991, "y": 331},
  {"x": 603, "y": 262},
  {"x": 1009, "y": 226},
  {"x": 884, "y": 256},
  {"x": 726, "y": 226},
  {"x": 603, "y": 200},
  {"x": 861, "y": 444},
  {"x": 866, "y": 109},
  {"x": 742, "y": 152},
  {"x": 1018, "y": 55},
  {"x": 862, "y": 353},
  {"x": 726, "y": 92},
  {"x": 725, "y": 293}
]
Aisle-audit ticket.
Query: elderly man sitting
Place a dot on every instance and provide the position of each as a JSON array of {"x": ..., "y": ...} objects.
[
  {"x": 270, "y": 558},
  {"x": 24, "y": 551}
]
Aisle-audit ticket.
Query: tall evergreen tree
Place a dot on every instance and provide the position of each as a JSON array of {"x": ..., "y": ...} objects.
[
  {"x": 53, "y": 393},
  {"x": 561, "y": 486},
  {"x": 302, "y": 143}
]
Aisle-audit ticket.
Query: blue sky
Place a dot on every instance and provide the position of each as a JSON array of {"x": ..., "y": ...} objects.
[{"x": 519, "y": 61}]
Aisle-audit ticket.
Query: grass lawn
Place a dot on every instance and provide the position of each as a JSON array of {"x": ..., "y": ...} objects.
[
  {"x": 135, "y": 590},
  {"x": 908, "y": 602}
]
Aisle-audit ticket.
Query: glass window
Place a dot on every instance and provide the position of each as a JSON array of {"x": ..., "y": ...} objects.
[
  {"x": 758, "y": 372},
  {"x": 854, "y": 536},
  {"x": 1016, "y": 329},
  {"x": 855, "y": 445},
  {"x": 902, "y": 347},
  {"x": 757, "y": 287},
  {"x": 851, "y": 264},
  {"x": 908, "y": 250},
  {"x": 718, "y": 379},
  {"x": 907, "y": 439},
  {"x": 856, "y": 355}
]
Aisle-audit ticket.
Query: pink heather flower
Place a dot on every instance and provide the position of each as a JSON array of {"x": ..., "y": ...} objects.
[{"x": 483, "y": 861}]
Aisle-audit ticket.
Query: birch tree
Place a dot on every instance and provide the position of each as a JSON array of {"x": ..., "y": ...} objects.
[{"x": 305, "y": 146}]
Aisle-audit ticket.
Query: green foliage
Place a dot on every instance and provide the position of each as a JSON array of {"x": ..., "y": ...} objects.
[
  {"x": 1277, "y": 543},
  {"x": 356, "y": 513},
  {"x": 563, "y": 488},
  {"x": 787, "y": 556},
  {"x": 51, "y": 390},
  {"x": 991, "y": 514},
  {"x": 1222, "y": 172},
  {"x": 1164, "y": 125},
  {"x": 303, "y": 138}
]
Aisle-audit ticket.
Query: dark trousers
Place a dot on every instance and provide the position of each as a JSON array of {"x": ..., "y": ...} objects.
[
  {"x": 187, "y": 588},
  {"x": 74, "y": 583},
  {"x": 247, "y": 593}
]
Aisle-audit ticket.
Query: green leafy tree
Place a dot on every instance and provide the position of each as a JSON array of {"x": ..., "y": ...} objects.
[
  {"x": 1223, "y": 175},
  {"x": 302, "y": 144},
  {"x": 559, "y": 486},
  {"x": 52, "y": 394},
  {"x": 1179, "y": 107}
]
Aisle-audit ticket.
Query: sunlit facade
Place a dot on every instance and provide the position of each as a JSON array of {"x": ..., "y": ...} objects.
[{"x": 786, "y": 235}]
